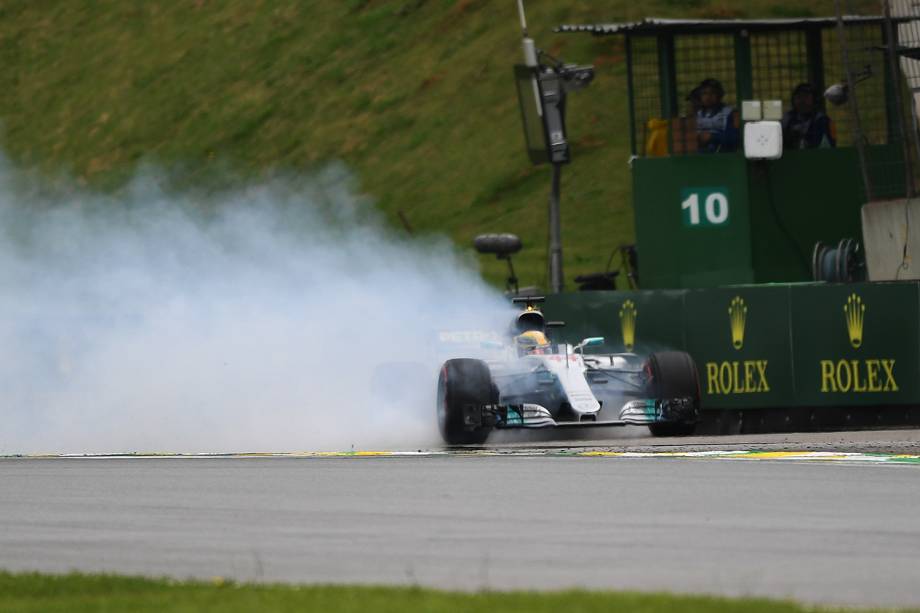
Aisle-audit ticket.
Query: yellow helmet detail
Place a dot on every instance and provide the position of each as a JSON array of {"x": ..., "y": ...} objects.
[{"x": 533, "y": 339}]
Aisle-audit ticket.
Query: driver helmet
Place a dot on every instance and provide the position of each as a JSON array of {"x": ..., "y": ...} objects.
[{"x": 532, "y": 341}]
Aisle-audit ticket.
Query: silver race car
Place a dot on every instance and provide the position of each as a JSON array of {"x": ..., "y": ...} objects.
[{"x": 536, "y": 383}]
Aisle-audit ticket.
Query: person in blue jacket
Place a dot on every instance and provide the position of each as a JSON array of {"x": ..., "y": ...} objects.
[
  {"x": 717, "y": 124},
  {"x": 805, "y": 126}
]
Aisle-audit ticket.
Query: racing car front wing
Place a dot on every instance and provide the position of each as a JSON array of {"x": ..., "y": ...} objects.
[{"x": 633, "y": 413}]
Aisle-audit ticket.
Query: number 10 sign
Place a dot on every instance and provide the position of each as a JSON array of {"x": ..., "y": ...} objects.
[{"x": 705, "y": 206}]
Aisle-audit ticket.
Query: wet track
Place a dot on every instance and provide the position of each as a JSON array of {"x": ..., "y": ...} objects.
[{"x": 816, "y": 531}]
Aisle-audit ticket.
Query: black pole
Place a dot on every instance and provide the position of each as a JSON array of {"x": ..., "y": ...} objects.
[
  {"x": 555, "y": 233},
  {"x": 512, "y": 284}
]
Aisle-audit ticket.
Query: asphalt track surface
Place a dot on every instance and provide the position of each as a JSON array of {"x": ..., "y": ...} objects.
[{"x": 842, "y": 533}]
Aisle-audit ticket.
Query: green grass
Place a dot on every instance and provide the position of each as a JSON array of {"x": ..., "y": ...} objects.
[
  {"x": 415, "y": 95},
  {"x": 22, "y": 593}
]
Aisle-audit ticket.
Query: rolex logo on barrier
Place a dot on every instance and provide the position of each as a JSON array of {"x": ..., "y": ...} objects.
[
  {"x": 628, "y": 316},
  {"x": 737, "y": 315},
  {"x": 855, "y": 315},
  {"x": 857, "y": 376},
  {"x": 737, "y": 376}
]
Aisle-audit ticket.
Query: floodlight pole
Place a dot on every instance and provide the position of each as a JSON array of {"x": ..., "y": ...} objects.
[{"x": 557, "y": 282}]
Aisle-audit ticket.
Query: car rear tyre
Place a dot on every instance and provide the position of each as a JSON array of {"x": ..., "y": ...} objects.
[
  {"x": 463, "y": 383},
  {"x": 673, "y": 374}
]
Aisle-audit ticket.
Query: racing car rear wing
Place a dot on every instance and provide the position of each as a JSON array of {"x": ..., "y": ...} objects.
[{"x": 528, "y": 301}]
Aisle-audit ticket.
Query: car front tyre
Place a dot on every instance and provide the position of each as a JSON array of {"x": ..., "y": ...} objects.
[
  {"x": 461, "y": 384},
  {"x": 673, "y": 374}
]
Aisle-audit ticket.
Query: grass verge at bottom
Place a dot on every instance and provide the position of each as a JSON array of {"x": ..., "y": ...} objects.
[{"x": 76, "y": 593}]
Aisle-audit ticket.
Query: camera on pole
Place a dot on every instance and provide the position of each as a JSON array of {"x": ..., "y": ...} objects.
[
  {"x": 543, "y": 82},
  {"x": 542, "y": 91}
]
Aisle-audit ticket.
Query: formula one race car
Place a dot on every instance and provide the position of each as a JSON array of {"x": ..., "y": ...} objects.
[{"x": 536, "y": 383}]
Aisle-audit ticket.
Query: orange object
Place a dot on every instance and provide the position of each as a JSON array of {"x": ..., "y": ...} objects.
[{"x": 656, "y": 145}]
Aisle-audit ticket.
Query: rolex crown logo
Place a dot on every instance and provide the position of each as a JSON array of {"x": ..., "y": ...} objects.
[
  {"x": 855, "y": 312},
  {"x": 628, "y": 315},
  {"x": 737, "y": 316}
]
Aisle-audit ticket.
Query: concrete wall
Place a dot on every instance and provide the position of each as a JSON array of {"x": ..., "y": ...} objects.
[{"x": 888, "y": 228}]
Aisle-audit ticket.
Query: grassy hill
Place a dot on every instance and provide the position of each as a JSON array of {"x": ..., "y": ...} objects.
[{"x": 415, "y": 95}]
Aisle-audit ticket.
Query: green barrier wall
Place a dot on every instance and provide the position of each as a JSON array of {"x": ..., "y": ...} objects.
[{"x": 769, "y": 346}]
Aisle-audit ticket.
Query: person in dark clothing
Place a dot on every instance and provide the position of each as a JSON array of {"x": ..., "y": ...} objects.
[
  {"x": 693, "y": 101},
  {"x": 805, "y": 126},
  {"x": 716, "y": 123}
]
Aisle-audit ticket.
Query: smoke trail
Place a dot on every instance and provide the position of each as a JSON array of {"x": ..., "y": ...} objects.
[{"x": 250, "y": 321}]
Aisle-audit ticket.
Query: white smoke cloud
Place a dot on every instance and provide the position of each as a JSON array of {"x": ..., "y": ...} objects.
[{"x": 249, "y": 321}]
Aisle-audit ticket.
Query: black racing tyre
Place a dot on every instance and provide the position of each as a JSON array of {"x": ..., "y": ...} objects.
[
  {"x": 673, "y": 374},
  {"x": 463, "y": 382}
]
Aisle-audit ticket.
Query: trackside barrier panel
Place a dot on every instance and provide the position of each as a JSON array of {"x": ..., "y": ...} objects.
[{"x": 774, "y": 346}]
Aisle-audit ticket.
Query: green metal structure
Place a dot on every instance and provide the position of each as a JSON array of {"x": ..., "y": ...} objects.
[
  {"x": 731, "y": 281},
  {"x": 771, "y": 214}
]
